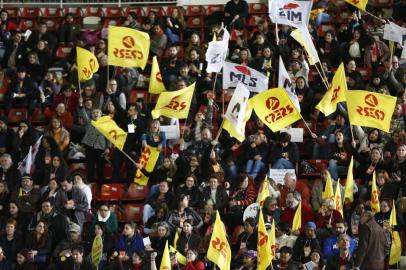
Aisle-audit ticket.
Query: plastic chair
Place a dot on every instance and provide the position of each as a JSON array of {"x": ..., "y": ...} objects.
[
  {"x": 53, "y": 13},
  {"x": 31, "y": 13},
  {"x": 133, "y": 212},
  {"x": 136, "y": 192},
  {"x": 111, "y": 192},
  {"x": 114, "y": 12},
  {"x": 16, "y": 115}
]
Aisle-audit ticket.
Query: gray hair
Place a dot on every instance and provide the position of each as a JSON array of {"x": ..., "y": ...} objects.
[
  {"x": 290, "y": 175},
  {"x": 6, "y": 155}
]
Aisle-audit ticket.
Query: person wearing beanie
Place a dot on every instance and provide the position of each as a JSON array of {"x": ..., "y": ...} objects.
[
  {"x": 285, "y": 261},
  {"x": 249, "y": 261},
  {"x": 306, "y": 243}
]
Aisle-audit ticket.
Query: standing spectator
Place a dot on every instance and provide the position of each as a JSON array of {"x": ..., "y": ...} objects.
[
  {"x": 159, "y": 40},
  {"x": 14, "y": 52},
  {"x": 72, "y": 202},
  {"x": 79, "y": 181},
  {"x": 343, "y": 259},
  {"x": 170, "y": 65},
  {"x": 175, "y": 25},
  {"x": 68, "y": 30},
  {"x": 6, "y": 28},
  {"x": 235, "y": 13},
  {"x": 372, "y": 240}
]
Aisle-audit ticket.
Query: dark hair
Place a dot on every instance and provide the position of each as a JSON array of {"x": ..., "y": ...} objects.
[
  {"x": 250, "y": 221},
  {"x": 132, "y": 14},
  {"x": 78, "y": 248},
  {"x": 102, "y": 225},
  {"x": 78, "y": 173},
  {"x": 341, "y": 220},
  {"x": 189, "y": 221},
  {"x": 47, "y": 200},
  {"x": 284, "y": 137}
]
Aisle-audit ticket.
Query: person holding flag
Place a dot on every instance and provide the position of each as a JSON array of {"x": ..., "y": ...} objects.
[{"x": 292, "y": 213}]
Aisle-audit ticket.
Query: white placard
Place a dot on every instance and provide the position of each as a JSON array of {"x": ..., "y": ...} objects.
[
  {"x": 295, "y": 133},
  {"x": 171, "y": 132},
  {"x": 251, "y": 211},
  {"x": 279, "y": 174}
]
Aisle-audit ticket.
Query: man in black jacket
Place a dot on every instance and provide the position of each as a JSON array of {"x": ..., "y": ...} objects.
[
  {"x": 9, "y": 173},
  {"x": 134, "y": 125},
  {"x": 235, "y": 12},
  {"x": 77, "y": 262}
]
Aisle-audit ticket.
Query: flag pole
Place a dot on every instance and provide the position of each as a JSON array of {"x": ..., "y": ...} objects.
[
  {"x": 128, "y": 156},
  {"x": 276, "y": 33},
  {"x": 325, "y": 76},
  {"x": 322, "y": 78}
]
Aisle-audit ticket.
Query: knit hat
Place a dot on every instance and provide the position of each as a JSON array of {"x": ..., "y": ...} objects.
[
  {"x": 310, "y": 225},
  {"x": 251, "y": 254}
]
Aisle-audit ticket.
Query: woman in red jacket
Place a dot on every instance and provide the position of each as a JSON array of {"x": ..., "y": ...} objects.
[{"x": 192, "y": 262}]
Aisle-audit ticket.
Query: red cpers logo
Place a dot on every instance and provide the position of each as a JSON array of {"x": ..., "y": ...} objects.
[
  {"x": 88, "y": 71},
  {"x": 176, "y": 105},
  {"x": 158, "y": 77},
  {"x": 277, "y": 112},
  {"x": 128, "y": 52},
  {"x": 287, "y": 12},
  {"x": 371, "y": 101}
]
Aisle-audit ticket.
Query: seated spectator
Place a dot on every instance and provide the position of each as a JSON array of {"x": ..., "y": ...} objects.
[
  {"x": 160, "y": 215},
  {"x": 99, "y": 229},
  {"x": 5, "y": 133},
  {"x": 8, "y": 172},
  {"x": 23, "y": 261},
  {"x": 11, "y": 241},
  {"x": 4, "y": 263},
  {"x": 271, "y": 211},
  {"x": 306, "y": 243},
  {"x": 293, "y": 201},
  {"x": 107, "y": 218},
  {"x": 79, "y": 181},
  {"x": 283, "y": 236},
  {"x": 376, "y": 52},
  {"x": 132, "y": 21},
  {"x": 63, "y": 114},
  {"x": 256, "y": 152},
  {"x": 14, "y": 212},
  {"x": 298, "y": 68},
  {"x": 188, "y": 238},
  {"x": 163, "y": 195},
  {"x": 158, "y": 242},
  {"x": 249, "y": 261},
  {"x": 285, "y": 260},
  {"x": 54, "y": 168},
  {"x": 4, "y": 197},
  {"x": 170, "y": 65},
  {"x": 39, "y": 245},
  {"x": 383, "y": 216},
  {"x": 78, "y": 260},
  {"x": 196, "y": 44},
  {"x": 319, "y": 187},
  {"x": 68, "y": 30},
  {"x": 247, "y": 240},
  {"x": 344, "y": 257},
  {"x": 190, "y": 188},
  {"x": 327, "y": 216},
  {"x": 316, "y": 261},
  {"x": 340, "y": 155},
  {"x": 214, "y": 195},
  {"x": 292, "y": 184},
  {"x": 182, "y": 213},
  {"x": 305, "y": 96},
  {"x": 330, "y": 248},
  {"x": 49, "y": 191},
  {"x": 26, "y": 136},
  {"x": 129, "y": 242},
  {"x": 63, "y": 250},
  {"x": 27, "y": 196},
  {"x": 175, "y": 25},
  {"x": 284, "y": 154}
]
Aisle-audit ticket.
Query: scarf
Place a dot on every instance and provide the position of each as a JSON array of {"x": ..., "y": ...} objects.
[{"x": 101, "y": 219}]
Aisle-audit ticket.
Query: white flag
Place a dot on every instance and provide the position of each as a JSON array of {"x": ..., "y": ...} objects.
[
  {"x": 394, "y": 32},
  {"x": 285, "y": 83},
  {"x": 27, "y": 165},
  {"x": 290, "y": 12},
  {"x": 254, "y": 80},
  {"x": 237, "y": 106},
  {"x": 302, "y": 36},
  {"x": 217, "y": 52}
]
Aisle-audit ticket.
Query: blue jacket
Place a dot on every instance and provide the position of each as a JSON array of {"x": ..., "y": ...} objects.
[
  {"x": 330, "y": 248},
  {"x": 130, "y": 245}
]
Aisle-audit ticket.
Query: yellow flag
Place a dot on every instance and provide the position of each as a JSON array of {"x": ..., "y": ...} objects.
[
  {"x": 396, "y": 246},
  {"x": 349, "y": 184},
  {"x": 214, "y": 37},
  {"x": 87, "y": 64},
  {"x": 219, "y": 251},
  {"x": 127, "y": 47},
  {"x": 174, "y": 104},
  {"x": 238, "y": 134},
  {"x": 148, "y": 159},
  {"x": 106, "y": 126},
  {"x": 328, "y": 192},
  {"x": 375, "y": 207},
  {"x": 275, "y": 108},
  {"x": 263, "y": 193},
  {"x": 166, "y": 259},
  {"x": 337, "y": 200},
  {"x": 156, "y": 85},
  {"x": 302, "y": 36},
  {"x": 336, "y": 93},
  {"x": 272, "y": 239},
  {"x": 297, "y": 219},
  {"x": 97, "y": 250},
  {"x": 263, "y": 245},
  {"x": 370, "y": 109},
  {"x": 175, "y": 240},
  {"x": 181, "y": 259},
  {"x": 391, "y": 49},
  {"x": 361, "y": 4}
]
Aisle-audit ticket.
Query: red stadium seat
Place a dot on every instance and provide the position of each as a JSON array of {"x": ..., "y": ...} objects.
[
  {"x": 257, "y": 9},
  {"x": 114, "y": 22},
  {"x": 136, "y": 192},
  {"x": 31, "y": 13},
  {"x": 27, "y": 24},
  {"x": 133, "y": 212},
  {"x": 195, "y": 22},
  {"x": 13, "y": 12},
  {"x": 53, "y": 13},
  {"x": 16, "y": 115},
  {"x": 111, "y": 192},
  {"x": 315, "y": 165},
  {"x": 52, "y": 24},
  {"x": 95, "y": 191},
  {"x": 76, "y": 11},
  {"x": 63, "y": 51},
  {"x": 195, "y": 11},
  {"x": 382, "y": 3},
  {"x": 94, "y": 12},
  {"x": 138, "y": 10},
  {"x": 117, "y": 210},
  {"x": 160, "y": 12},
  {"x": 214, "y": 8},
  {"x": 170, "y": 9},
  {"x": 114, "y": 12}
]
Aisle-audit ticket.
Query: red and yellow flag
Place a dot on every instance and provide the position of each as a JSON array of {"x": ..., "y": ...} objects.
[
  {"x": 272, "y": 239},
  {"x": 127, "y": 47},
  {"x": 106, "y": 126},
  {"x": 263, "y": 245},
  {"x": 275, "y": 108},
  {"x": 219, "y": 251},
  {"x": 338, "y": 201},
  {"x": 156, "y": 85},
  {"x": 297, "y": 219},
  {"x": 87, "y": 64},
  {"x": 166, "y": 259},
  {"x": 375, "y": 207},
  {"x": 361, "y": 4},
  {"x": 370, "y": 109},
  {"x": 263, "y": 193},
  {"x": 148, "y": 159},
  {"x": 396, "y": 246},
  {"x": 174, "y": 104},
  {"x": 349, "y": 184},
  {"x": 336, "y": 93}
]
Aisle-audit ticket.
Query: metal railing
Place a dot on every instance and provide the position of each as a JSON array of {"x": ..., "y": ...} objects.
[{"x": 69, "y": 3}]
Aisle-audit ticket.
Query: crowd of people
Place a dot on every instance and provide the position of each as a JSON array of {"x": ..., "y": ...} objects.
[{"x": 50, "y": 217}]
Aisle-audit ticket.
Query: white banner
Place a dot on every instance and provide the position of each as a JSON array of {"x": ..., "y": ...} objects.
[
  {"x": 296, "y": 134},
  {"x": 285, "y": 83},
  {"x": 254, "y": 80},
  {"x": 217, "y": 52},
  {"x": 237, "y": 106},
  {"x": 394, "y": 32},
  {"x": 279, "y": 174},
  {"x": 290, "y": 12}
]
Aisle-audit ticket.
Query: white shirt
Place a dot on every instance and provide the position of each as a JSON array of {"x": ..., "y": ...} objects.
[{"x": 88, "y": 192}]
